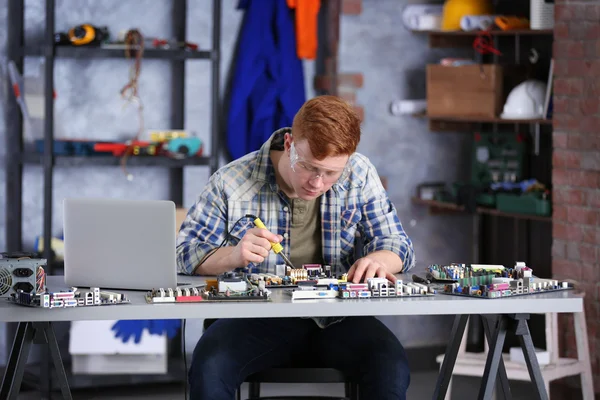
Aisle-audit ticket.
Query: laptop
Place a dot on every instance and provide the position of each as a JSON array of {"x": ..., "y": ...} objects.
[{"x": 119, "y": 244}]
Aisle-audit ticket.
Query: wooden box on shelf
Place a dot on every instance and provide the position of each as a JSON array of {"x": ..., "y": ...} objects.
[{"x": 468, "y": 90}]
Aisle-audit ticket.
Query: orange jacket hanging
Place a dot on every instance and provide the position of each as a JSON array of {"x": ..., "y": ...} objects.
[{"x": 306, "y": 27}]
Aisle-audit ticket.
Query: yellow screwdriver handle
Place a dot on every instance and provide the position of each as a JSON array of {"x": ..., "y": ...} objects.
[{"x": 275, "y": 246}]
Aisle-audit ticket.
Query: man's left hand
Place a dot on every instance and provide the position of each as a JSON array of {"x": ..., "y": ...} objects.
[{"x": 365, "y": 268}]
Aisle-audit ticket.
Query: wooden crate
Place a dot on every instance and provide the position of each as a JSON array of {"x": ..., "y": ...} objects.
[
  {"x": 180, "y": 214},
  {"x": 470, "y": 90}
]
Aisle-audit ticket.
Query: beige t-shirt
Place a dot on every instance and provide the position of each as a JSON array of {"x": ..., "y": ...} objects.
[{"x": 305, "y": 236}]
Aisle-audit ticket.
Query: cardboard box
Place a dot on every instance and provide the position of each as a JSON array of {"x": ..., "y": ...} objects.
[
  {"x": 95, "y": 350},
  {"x": 464, "y": 91},
  {"x": 180, "y": 214},
  {"x": 516, "y": 355}
]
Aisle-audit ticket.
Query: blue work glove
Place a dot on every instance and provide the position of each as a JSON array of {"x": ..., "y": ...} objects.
[
  {"x": 161, "y": 326},
  {"x": 126, "y": 329}
]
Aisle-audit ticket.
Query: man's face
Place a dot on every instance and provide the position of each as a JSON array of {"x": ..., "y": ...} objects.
[{"x": 308, "y": 176}]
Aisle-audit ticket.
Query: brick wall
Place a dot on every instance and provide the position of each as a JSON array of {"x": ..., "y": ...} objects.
[
  {"x": 332, "y": 81},
  {"x": 576, "y": 164}
]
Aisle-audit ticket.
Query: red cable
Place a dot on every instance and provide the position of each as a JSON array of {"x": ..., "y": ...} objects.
[{"x": 483, "y": 43}]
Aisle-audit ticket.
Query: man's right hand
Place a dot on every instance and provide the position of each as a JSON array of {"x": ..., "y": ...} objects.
[{"x": 254, "y": 247}]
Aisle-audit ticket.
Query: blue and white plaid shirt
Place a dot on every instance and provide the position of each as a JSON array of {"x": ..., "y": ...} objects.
[{"x": 357, "y": 202}]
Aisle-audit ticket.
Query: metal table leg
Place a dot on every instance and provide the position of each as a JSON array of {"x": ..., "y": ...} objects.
[
  {"x": 489, "y": 326},
  {"x": 518, "y": 325},
  {"x": 13, "y": 376},
  {"x": 521, "y": 329},
  {"x": 56, "y": 359},
  {"x": 458, "y": 330},
  {"x": 493, "y": 360},
  {"x": 27, "y": 334}
]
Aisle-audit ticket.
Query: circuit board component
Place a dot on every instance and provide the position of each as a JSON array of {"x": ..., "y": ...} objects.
[
  {"x": 73, "y": 297},
  {"x": 494, "y": 281}
]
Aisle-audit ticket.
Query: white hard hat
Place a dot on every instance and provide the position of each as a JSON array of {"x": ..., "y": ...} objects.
[{"x": 525, "y": 101}]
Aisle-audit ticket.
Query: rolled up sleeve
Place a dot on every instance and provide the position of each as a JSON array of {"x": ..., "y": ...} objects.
[
  {"x": 204, "y": 227},
  {"x": 381, "y": 226}
]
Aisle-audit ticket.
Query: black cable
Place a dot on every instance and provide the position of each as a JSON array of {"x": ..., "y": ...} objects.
[
  {"x": 185, "y": 380},
  {"x": 225, "y": 240}
]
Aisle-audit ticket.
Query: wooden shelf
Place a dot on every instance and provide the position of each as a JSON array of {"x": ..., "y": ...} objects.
[
  {"x": 446, "y": 39},
  {"x": 493, "y": 211},
  {"x": 468, "y": 123},
  {"x": 132, "y": 161},
  {"x": 113, "y": 52},
  {"x": 440, "y": 206},
  {"x": 493, "y": 32},
  {"x": 491, "y": 120}
]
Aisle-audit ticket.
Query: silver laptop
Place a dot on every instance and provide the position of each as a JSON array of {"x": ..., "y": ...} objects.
[{"x": 119, "y": 244}]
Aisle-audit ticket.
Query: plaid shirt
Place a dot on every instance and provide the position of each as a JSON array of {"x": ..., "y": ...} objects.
[{"x": 356, "y": 203}]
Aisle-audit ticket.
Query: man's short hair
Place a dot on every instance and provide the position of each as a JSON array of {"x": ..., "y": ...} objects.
[{"x": 330, "y": 125}]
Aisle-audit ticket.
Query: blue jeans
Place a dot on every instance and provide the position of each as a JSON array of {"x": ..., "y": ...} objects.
[{"x": 362, "y": 347}]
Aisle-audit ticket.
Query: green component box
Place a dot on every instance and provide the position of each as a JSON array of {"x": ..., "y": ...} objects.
[
  {"x": 487, "y": 199},
  {"x": 496, "y": 157},
  {"x": 484, "y": 199},
  {"x": 526, "y": 203}
]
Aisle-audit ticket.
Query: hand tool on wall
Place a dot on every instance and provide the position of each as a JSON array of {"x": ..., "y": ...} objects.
[
  {"x": 83, "y": 34},
  {"x": 134, "y": 41},
  {"x": 277, "y": 248},
  {"x": 511, "y": 22},
  {"x": 173, "y": 44},
  {"x": 18, "y": 89}
]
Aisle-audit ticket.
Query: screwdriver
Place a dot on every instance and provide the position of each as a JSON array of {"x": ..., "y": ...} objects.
[{"x": 277, "y": 248}]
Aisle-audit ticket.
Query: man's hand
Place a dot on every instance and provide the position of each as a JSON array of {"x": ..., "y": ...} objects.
[
  {"x": 365, "y": 268},
  {"x": 254, "y": 247}
]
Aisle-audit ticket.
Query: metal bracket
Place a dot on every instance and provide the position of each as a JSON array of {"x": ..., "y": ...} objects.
[
  {"x": 458, "y": 330},
  {"x": 495, "y": 328},
  {"x": 27, "y": 334},
  {"x": 494, "y": 365},
  {"x": 536, "y": 140}
]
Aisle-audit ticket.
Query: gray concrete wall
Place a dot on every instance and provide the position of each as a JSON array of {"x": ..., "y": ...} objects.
[
  {"x": 393, "y": 61},
  {"x": 3, "y": 90},
  {"x": 375, "y": 43}
]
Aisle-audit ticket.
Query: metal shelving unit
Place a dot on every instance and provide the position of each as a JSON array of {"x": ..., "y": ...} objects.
[
  {"x": 542, "y": 167},
  {"x": 452, "y": 39},
  {"x": 80, "y": 161},
  {"x": 436, "y": 206},
  {"x": 503, "y": 237},
  {"x": 101, "y": 52},
  {"x": 17, "y": 156}
]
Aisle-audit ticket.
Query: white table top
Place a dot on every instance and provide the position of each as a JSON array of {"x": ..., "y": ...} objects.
[{"x": 283, "y": 306}]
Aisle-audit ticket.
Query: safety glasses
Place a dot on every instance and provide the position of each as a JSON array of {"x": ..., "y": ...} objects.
[{"x": 309, "y": 171}]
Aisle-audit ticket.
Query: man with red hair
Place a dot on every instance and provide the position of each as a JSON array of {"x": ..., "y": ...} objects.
[{"x": 314, "y": 194}]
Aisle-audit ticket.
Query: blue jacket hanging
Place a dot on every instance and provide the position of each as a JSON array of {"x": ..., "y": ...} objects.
[{"x": 268, "y": 82}]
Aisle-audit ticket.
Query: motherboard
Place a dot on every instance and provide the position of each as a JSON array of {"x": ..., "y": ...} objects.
[{"x": 494, "y": 281}]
